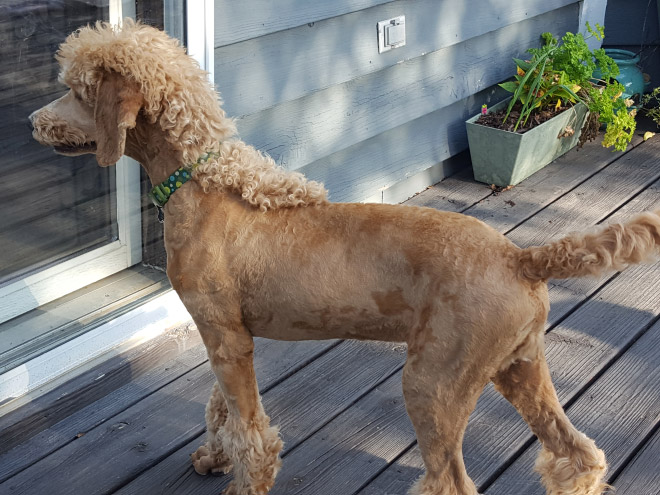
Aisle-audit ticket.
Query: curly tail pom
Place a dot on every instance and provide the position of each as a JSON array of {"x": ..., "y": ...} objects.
[{"x": 608, "y": 248}]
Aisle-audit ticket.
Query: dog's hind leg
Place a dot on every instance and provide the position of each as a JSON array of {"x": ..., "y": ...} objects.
[
  {"x": 210, "y": 457},
  {"x": 439, "y": 399},
  {"x": 250, "y": 443},
  {"x": 569, "y": 463}
]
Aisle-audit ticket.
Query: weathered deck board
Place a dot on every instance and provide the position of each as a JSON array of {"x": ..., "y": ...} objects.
[
  {"x": 604, "y": 193},
  {"x": 160, "y": 358},
  {"x": 345, "y": 454},
  {"x": 86, "y": 418},
  {"x": 456, "y": 193},
  {"x": 138, "y": 437},
  {"x": 382, "y": 408},
  {"x": 619, "y": 410},
  {"x": 641, "y": 475},
  {"x": 324, "y": 389}
]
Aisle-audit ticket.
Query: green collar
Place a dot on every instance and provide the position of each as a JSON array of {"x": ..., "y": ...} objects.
[{"x": 161, "y": 193}]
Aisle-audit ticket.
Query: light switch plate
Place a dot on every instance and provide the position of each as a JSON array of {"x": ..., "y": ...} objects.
[{"x": 391, "y": 33}]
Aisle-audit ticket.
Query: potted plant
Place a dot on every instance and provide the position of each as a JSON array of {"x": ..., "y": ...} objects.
[{"x": 556, "y": 103}]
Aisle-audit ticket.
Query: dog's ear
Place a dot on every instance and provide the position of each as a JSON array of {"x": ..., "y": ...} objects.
[{"x": 118, "y": 102}]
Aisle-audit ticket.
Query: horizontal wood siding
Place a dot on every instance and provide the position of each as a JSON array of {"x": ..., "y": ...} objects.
[
  {"x": 283, "y": 66},
  {"x": 315, "y": 94},
  {"x": 373, "y": 165},
  {"x": 261, "y": 17}
]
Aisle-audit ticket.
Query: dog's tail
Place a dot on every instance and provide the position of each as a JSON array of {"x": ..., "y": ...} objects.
[{"x": 612, "y": 247}]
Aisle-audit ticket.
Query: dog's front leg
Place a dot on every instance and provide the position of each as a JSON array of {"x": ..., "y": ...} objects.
[
  {"x": 439, "y": 402},
  {"x": 246, "y": 437}
]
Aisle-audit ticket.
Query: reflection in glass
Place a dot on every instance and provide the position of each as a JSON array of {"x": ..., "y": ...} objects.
[{"x": 53, "y": 207}]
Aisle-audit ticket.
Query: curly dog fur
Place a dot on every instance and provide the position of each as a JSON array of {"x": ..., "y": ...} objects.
[{"x": 254, "y": 250}]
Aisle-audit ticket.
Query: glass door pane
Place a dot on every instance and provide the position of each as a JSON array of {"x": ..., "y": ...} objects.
[
  {"x": 63, "y": 225},
  {"x": 53, "y": 206},
  {"x": 67, "y": 222}
]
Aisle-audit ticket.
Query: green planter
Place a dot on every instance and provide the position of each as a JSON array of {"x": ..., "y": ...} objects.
[{"x": 505, "y": 158}]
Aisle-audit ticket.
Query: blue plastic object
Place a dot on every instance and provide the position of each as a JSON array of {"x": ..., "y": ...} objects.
[{"x": 630, "y": 75}]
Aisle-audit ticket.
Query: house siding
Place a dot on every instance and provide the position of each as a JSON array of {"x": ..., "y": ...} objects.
[{"x": 307, "y": 85}]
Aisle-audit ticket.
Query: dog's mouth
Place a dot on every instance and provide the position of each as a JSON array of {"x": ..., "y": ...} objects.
[{"x": 75, "y": 150}]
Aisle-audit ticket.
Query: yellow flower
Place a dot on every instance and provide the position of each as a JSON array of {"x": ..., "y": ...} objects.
[
  {"x": 558, "y": 105},
  {"x": 520, "y": 71}
]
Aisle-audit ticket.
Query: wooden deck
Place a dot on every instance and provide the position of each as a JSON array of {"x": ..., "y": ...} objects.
[{"x": 130, "y": 425}]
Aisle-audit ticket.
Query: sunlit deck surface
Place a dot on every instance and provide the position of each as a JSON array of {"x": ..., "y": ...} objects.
[{"x": 130, "y": 425}]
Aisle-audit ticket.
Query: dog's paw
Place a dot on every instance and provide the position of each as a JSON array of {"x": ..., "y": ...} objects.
[
  {"x": 205, "y": 461},
  {"x": 582, "y": 474}
]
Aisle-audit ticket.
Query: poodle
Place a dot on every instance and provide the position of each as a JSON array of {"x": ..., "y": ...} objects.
[{"x": 255, "y": 250}]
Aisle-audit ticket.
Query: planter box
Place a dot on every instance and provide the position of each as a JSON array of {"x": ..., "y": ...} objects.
[{"x": 505, "y": 158}]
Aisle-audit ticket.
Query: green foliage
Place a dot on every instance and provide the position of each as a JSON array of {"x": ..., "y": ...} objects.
[
  {"x": 606, "y": 65},
  {"x": 606, "y": 99},
  {"x": 538, "y": 85},
  {"x": 651, "y": 105},
  {"x": 619, "y": 131},
  {"x": 574, "y": 58},
  {"x": 560, "y": 73}
]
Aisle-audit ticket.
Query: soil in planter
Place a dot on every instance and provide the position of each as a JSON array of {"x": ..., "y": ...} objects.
[{"x": 496, "y": 119}]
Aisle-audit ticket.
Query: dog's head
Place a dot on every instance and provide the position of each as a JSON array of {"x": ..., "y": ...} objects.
[
  {"x": 79, "y": 123},
  {"x": 116, "y": 75}
]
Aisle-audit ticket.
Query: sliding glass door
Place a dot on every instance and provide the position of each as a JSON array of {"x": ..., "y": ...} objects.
[{"x": 66, "y": 222}]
